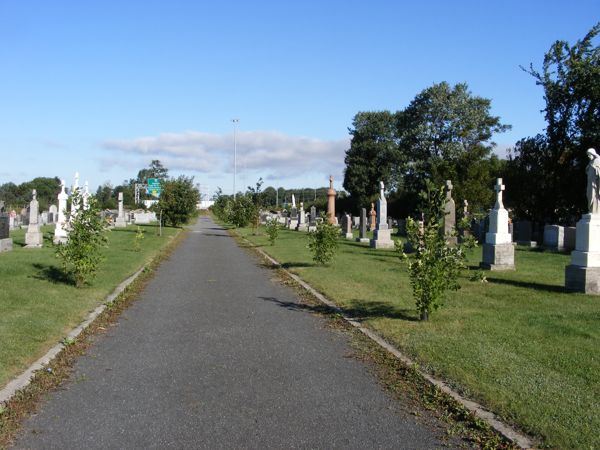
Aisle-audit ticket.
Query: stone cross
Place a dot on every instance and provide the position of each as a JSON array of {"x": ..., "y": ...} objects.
[
  {"x": 499, "y": 187},
  {"x": 448, "y": 189}
]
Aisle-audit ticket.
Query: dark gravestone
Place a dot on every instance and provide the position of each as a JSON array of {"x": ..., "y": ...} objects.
[
  {"x": 313, "y": 216},
  {"x": 362, "y": 237},
  {"x": 4, "y": 226}
]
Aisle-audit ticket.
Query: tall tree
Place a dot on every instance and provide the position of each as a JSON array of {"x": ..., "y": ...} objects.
[
  {"x": 155, "y": 170},
  {"x": 555, "y": 162},
  {"x": 373, "y": 155},
  {"x": 178, "y": 200},
  {"x": 446, "y": 133}
]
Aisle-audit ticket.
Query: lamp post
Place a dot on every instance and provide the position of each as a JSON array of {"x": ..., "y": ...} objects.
[{"x": 235, "y": 122}]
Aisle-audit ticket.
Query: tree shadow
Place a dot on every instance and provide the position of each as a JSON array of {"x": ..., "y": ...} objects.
[
  {"x": 527, "y": 284},
  {"x": 215, "y": 234},
  {"x": 291, "y": 264},
  {"x": 359, "y": 310},
  {"x": 53, "y": 274}
]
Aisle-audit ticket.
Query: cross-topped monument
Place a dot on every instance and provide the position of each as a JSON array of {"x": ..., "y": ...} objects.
[
  {"x": 382, "y": 234},
  {"x": 499, "y": 187},
  {"x": 498, "y": 249}
]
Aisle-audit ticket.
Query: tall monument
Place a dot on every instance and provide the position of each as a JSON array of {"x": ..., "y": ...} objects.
[
  {"x": 382, "y": 233},
  {"x": 331, "y": 202},
  {"x": 33, "y": 237},
  {"x": 498, "y": 249},
  {"x": 450, "y": 216},
  {"x": 60, "y": 232},
  {"x": 583, "y": 274}
]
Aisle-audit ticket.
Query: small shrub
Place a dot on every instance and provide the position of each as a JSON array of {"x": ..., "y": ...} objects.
[
  {"x": 323, "y": 242},
  {"x": 434, "y": 266},
  {"x": 81, "y": 253},
  {"x": 272, "y": 227},
  {"x": 137, "y": 239}
]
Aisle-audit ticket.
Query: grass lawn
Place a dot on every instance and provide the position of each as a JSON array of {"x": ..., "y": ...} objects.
[
  {"x": 518, "y": 343},
  {"x": 38, "y": 307}
]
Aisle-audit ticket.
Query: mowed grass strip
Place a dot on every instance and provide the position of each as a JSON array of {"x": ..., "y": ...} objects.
[
  {"x": 517, "y": 343},
  {"x": 38, "y": 306}
]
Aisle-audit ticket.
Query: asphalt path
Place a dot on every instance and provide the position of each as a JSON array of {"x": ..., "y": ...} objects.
[{"x": 213, "y": 356}]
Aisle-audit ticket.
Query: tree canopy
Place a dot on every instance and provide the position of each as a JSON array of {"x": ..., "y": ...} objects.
[
  {"x": 444, "y": 133},
  {"x": 547, "y": 172}
]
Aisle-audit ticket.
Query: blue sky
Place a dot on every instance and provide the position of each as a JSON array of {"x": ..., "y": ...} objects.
[{"x": 103, "y": 87}]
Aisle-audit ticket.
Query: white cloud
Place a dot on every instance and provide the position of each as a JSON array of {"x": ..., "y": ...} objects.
[{"x": 270, "y": 154}]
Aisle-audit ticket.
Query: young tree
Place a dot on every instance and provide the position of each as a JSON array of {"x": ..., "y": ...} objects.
[
  {"x": 258, "y": 199},
  {"x": 323, "y": 242},
  {"x": 81, "y": 253},
  {"x": 434, "y": 266},
  {"x": 178, "y": 200}
]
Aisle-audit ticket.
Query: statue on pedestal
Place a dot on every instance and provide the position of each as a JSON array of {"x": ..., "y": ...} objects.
[{"x": 593, "y": 181}]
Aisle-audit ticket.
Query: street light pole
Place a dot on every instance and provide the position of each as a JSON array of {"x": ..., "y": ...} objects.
[{"x": 235, "y": 122}]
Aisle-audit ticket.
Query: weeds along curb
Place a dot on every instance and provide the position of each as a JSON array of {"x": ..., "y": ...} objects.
[
  {"x": 517, "y": 438},
  {"x": 23, "y": 380}
]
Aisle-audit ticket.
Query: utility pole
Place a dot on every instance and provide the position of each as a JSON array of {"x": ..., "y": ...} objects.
[{"x": 235, "y": 122}]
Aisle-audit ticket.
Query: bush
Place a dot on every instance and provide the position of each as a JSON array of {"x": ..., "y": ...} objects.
[
  {"x": 178, "y": 200},
  {"x": 435, "y": 266},
  {"x": 81, "y": 253},
  {"x": 272, "y": 229},
  {"x": 324, "y": 241},
  {"x": 242, "y": 211}
]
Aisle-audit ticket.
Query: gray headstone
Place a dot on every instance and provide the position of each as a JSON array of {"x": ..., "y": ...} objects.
[
  {"x": 313, "y": 215},
  {"x": 450, "y": 216},
  {"x": 4, "y": 226}
]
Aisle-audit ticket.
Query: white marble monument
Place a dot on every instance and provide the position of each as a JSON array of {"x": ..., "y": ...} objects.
[
  {"x": 120, "y": 222},
  {"x": 583, "y": 274},
  {"x": 60, "y": 232},
  {"x": 498, "y": 249},
  {"x": 382, "y": 234}
]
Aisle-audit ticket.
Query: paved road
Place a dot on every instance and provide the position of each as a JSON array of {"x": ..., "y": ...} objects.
[{"x": 209, "y": 358}]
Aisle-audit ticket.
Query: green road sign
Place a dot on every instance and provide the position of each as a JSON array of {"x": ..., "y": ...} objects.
[{"x": 153, "y": 187}]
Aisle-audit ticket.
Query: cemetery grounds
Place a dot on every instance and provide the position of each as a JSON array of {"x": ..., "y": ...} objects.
[
  {"x": 39, "y": 306},
  {"x": 514, "y": 341}
]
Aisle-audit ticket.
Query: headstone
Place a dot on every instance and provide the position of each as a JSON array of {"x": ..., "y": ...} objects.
[
  {"x": 450, "y": 216},
  {"x": 583, "y": 274},
  {"x": 293, "y": 222},
  {"x": 498, "y": 249},
  {"x": 390, "y": 223},
  {"x": 33, "y": 237},
  {"x": 312, "y": 224},
  {"x": 570, "y": 238},
  {"x": 331, "y": 203},
  {"x": 355, "y": 222},
  {"x": 382, "y": 234},
  {"x": 554, "y": 237},
  {"x": 52, "y": 214},
  {"x": 293, "y": 202},
  {"x": 143, "y": 217},
  {"x": 302, "y": 225},
  {"x": 362, "y": 236},
  {"x": 401, "y": 227},
  {"x": 60, "y": 231},
  {"x": 6, "y": 242},
  {"x": 120, "y": 222},
  {"x": 523, "y": 233},
  {"x": 44, "y": 218},
  {"x": 347, "y": 226}
]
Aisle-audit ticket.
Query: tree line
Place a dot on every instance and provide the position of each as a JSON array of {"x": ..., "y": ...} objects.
[{"x": 446, "y": 133}]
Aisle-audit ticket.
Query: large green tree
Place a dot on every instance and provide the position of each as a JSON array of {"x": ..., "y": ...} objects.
[
  {"x": 178, "y": 200},
  {"x": 446, "y": 133},
  {"x": 550, "y": 167},
  {"x": 373, "y": 155}
]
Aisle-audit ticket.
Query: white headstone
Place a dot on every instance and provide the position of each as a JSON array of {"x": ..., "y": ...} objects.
[
  {"x": 33, "y": 237},
  {"x": 60, "y": 232},
  {"x": 498, "y": 249},
  {"x": 382, "y": 234}
]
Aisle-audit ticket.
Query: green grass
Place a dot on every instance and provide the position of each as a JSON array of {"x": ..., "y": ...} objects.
[
  {"x": 38, "y": 306},
  {"x": 518, "y": 343}
]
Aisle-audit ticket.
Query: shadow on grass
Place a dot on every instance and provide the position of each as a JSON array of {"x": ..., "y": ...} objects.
[
  {"x": 527, "y": 285},
  {"x": 291, "y": 264},
  {"x": 359, "y": 310},
  {"x": 53, "y": 274}
]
